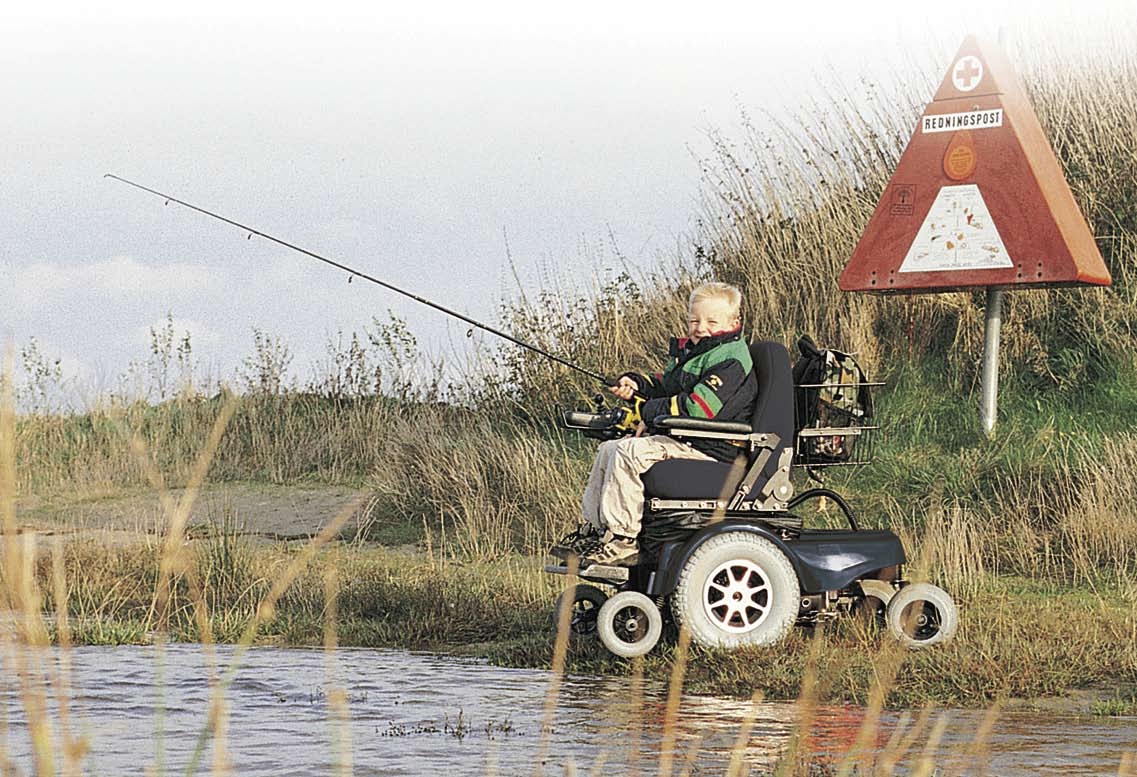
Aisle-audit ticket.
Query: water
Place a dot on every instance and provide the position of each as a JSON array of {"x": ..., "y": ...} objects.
[{"x": 413, "y": 714}]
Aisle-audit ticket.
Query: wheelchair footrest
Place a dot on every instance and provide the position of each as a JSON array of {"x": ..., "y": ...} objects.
[{"x": 600, "y": 572}]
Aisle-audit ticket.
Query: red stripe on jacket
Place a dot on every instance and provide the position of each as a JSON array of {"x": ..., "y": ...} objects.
[{"x": 702, "y": 403}]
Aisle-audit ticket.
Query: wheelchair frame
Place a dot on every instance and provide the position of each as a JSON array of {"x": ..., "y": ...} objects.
[{"x": 837, "y": 570}]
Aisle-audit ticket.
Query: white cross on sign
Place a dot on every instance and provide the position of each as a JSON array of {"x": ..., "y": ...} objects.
[{"x": 967, "y": 73}]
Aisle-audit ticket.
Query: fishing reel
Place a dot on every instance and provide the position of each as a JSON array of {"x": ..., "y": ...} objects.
[{"x": 606, "y": 423}]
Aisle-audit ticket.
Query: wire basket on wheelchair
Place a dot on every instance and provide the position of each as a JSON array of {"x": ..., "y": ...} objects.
[{"x": 833, "y": 409}]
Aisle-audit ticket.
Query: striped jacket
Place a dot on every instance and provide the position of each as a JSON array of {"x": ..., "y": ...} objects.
[{"x": 713, "y": 378}]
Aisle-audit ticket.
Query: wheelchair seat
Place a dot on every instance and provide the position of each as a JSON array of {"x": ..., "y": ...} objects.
[{"x": 773, "y": 414}]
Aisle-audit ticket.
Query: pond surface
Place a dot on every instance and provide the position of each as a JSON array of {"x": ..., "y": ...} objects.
[{"x": 414, "y": 714}]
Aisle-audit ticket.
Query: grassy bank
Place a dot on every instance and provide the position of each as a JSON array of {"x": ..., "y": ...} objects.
[
  {"x": 1049, "y": 497},
  {"x": 1020, "y": 638},
  {"x": 1031, "y": 532}
]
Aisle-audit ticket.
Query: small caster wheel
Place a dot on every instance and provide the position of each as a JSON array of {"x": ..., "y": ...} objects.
[
  {"x": 921, "y": 615},
  {"x": 629, "y": 624},
  {"x": 586, "y": 601}
]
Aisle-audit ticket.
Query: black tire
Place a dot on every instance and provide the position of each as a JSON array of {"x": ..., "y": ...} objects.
[
  {"x": 586, "y": 601},
  {"x": 922, "y": 615},
  {"x": 629, "y": 624},
  {"x": 737, "y": 589}
]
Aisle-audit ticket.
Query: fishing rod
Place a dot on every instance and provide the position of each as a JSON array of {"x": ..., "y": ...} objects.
[{"x": 356, "y": 273}]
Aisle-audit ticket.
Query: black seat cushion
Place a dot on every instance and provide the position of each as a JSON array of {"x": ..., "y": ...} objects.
[{"x": 687, "y": 479}]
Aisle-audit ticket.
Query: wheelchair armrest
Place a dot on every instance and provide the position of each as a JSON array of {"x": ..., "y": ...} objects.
[
  {"x": 733, "y": 431},
  {"x": 681, "y": 423}
]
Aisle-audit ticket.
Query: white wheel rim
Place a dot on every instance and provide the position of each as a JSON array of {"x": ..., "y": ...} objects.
[{"x": 737, "y": 596}]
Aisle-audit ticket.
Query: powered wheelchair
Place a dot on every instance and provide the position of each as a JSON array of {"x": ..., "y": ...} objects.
[{"x": 722, "y": 552}]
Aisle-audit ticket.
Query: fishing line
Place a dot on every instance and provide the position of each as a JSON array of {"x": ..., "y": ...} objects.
[{"x": 353, "y": 273}]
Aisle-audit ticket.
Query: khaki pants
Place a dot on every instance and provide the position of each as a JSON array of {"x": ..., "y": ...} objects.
[{"x": 614, "y": 496}]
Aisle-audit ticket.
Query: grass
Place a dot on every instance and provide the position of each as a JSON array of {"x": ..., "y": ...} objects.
[
  {"x": 1032, "y": 537},
  {"x": 1117, "y": 707},
  {"x": 1049, "y": 495},
  {"x": 1021, "y": 637}
]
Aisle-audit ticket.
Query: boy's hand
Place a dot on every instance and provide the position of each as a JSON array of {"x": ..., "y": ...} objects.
[
  {"x": 641, "y": 427},
  {"x": 625, "y": 388}
]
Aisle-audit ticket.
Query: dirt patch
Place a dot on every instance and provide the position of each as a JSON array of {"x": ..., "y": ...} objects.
[{"x": 253, "y": 509}]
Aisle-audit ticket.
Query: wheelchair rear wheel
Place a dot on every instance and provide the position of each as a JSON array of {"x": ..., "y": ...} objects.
[
  {"x": 737, "y": 589},
  {"x": 921, "y": 615},
  {"x": 586, "y": 601}
]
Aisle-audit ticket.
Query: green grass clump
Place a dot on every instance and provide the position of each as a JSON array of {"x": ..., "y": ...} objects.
[{"x": 1117, "y": 707}]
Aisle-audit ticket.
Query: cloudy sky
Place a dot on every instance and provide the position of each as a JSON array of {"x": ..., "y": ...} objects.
[{"x": 422, "y": 144}]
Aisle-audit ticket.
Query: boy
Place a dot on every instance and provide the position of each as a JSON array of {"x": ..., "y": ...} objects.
[{"x": 712, "y": 377}]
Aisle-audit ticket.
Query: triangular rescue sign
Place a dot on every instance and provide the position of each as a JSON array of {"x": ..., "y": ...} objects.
[{"x": 978, "y": 197}]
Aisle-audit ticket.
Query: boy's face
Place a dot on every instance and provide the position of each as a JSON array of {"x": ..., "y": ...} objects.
[{"x": 710, "y": 316}]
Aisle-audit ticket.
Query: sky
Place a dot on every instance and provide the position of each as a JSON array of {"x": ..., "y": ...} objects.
[{"x": 443, "y": 147}]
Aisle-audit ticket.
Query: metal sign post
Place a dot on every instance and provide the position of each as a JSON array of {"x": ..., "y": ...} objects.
[{"x": 989, "y": 381}]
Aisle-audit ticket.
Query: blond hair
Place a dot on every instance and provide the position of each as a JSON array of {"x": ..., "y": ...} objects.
[{"x": 728, "y": 293}]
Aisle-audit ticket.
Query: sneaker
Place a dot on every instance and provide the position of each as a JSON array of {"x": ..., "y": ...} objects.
[
  {"x": 583, "y": 540},
  {"x": 616, "y": 552}
]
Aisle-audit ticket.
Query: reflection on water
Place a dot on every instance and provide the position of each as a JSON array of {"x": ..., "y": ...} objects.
[{"x": 414, "y": 714}]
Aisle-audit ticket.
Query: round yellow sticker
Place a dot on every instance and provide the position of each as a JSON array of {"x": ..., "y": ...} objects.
[{"x": 960, "y": 158}]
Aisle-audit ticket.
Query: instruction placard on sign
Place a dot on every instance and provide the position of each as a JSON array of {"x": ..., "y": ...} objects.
[
  {"x": 957, "y": 234},
  {"x": 978, "y": 198}
]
